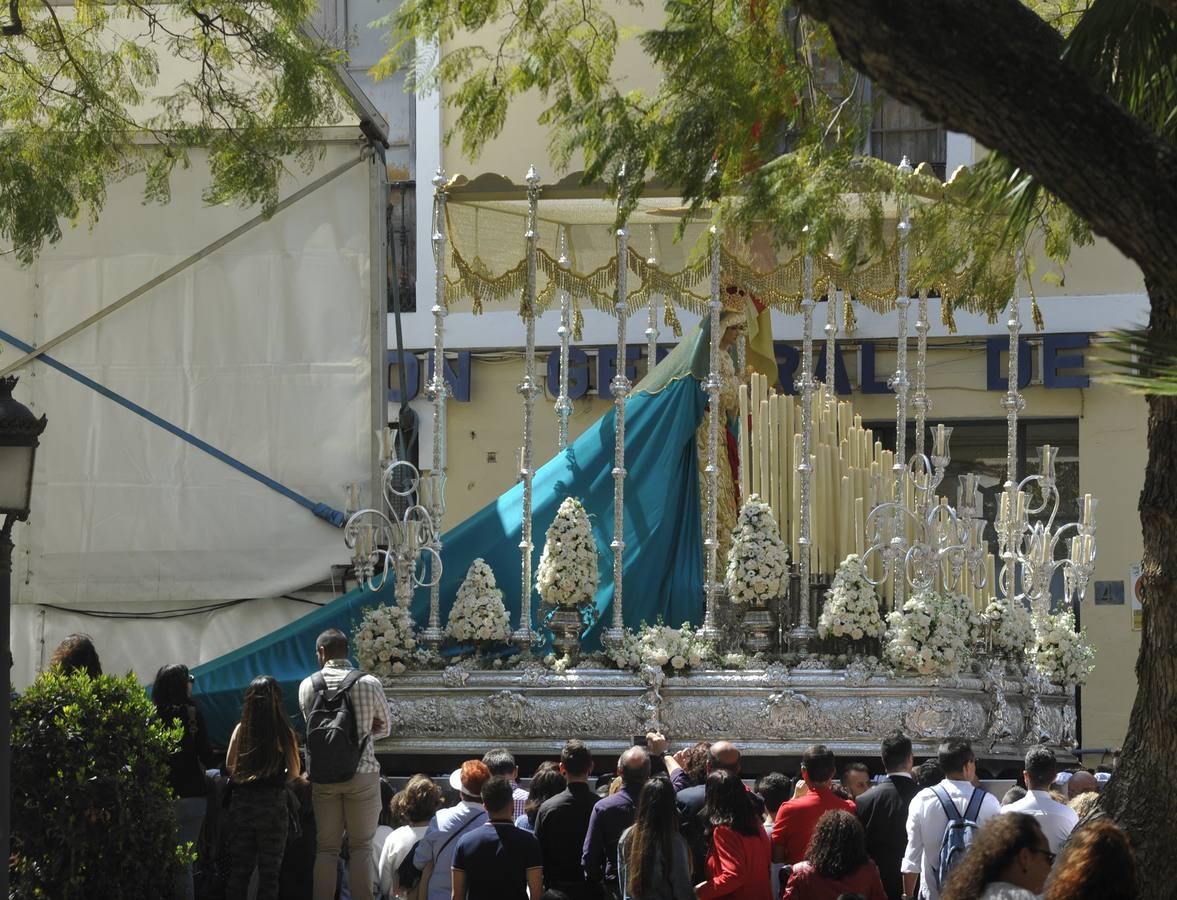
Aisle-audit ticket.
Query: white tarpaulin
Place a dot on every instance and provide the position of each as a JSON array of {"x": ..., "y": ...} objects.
[{"x": 261, "y": 349}]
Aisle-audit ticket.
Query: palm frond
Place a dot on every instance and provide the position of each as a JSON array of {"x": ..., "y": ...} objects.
[
  {"x": 1139, "y": 360},
  {"x": 1129, "y": 47}
]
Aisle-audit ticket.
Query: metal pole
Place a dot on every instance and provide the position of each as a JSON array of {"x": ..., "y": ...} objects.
[
  {"x": 805, "y": 632},
  {"x": 711, "y": 539},
  {"x": 5, "y": 701},
  {"x": 524, "y": 636},
  {"x": 619, "y": 387},
  {"x": 438, "y": 390}
]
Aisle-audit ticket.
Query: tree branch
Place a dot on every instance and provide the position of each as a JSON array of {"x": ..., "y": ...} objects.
[{"x": 992, "y": 70}]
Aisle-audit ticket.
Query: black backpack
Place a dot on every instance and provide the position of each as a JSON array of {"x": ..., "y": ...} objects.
[{"x": 333, "y": 744}]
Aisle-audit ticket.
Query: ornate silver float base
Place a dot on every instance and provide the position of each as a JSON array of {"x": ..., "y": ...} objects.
[{"x": 778, "y": 711}]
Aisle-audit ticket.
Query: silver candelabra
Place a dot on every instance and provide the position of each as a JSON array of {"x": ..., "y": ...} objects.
[{"x": 400, "y": 538}]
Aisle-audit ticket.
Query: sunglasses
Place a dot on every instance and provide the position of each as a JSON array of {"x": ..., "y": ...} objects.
[{"x": 1050, "y": 857}]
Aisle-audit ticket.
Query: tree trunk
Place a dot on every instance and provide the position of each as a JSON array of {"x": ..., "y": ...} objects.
[
  {"x": 1139, "y": 797},
  {"x": 992, "y": 70}
]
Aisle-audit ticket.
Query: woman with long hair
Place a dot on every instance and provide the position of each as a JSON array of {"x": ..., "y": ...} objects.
[
  {"x": 172, "y": 695},
  {"x": 653, "y": 860},
  {"x": 1008, "y": 860},
  {"x": 262, "y": 757},
  {"x": 546, "y": 783},
  {"x": 835, "y": 863},
  {"x": 739, "y": 852},
  {"x": 1096, "y": 863},
  {"x": 76, "y": 653},
  {"x": 415, "y": 806}
]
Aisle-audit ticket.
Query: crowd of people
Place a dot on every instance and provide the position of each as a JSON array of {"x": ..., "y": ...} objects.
[{"x": 662, "y": 826}]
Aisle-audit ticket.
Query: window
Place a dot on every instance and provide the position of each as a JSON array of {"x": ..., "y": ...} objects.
[{"x": 898, "y": 130}]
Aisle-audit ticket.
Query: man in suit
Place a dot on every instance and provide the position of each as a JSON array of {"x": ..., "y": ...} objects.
[
  {"x": 720, "y": 755},
  {"x": 883, "y": 812}
]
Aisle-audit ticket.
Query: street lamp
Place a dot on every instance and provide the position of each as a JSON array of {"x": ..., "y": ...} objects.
[{"x": 19, "y": 431}]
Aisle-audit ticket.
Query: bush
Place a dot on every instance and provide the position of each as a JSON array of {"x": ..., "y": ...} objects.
[{"x": 92, "y": 813}]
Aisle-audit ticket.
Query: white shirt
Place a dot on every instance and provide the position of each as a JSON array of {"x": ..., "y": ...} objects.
[
  {"x": 926, "y": 822},
  {"x": 1057, "y": 819},
  {"x": 393, "y": 852},
  {"x": 1003, "y": 890}
]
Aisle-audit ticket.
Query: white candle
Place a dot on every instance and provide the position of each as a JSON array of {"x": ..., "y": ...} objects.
[
  {"x": 744, "y": 450},
  {"x": 1086, "y": 509}
]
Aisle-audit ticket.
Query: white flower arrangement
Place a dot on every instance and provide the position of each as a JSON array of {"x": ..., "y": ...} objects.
[
  {"x": 567, "y": 572},
  {"x": 1011, "y": 633},
  {"x": 478, "y": 615},
  {"x": 386, "y": 641},
  {"x": 758, "y": 563},
  {"x": 928, "y": 635},
  {"x": 674, "y": 650},
  {"x": 851, "y": 607},
  {"x": 974, "y": 621},
  {"x": 1062, "y": 654}
]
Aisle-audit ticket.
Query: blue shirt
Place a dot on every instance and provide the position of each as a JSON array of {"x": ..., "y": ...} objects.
[
  {"x": 611, "y": 816},
  {"x": 495, "y": 857}
]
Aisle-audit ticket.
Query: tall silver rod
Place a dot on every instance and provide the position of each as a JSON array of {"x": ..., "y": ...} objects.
[
  {"x": 564, "y": 402},
  {"x": 714, "y": 385},
  {"x": 619, "y": 387},
  {"x": 900, "y": 385},
  {"x": 1013, "y": 401},
  {"x": 833, "y": 301},
  {"x": 655, "y": 301},
  {"x": 438, "y": 391},
  {"x": 805, "y": 632},
  {"x": 919, "y": 400},
  {"x": 525, "y": 635}
]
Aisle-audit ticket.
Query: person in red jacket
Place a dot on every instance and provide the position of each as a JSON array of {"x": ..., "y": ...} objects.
[
  {"x": 836, "y": 863},
  {"x": 796, "y": 819},
  {"x": 739, "y": 853}
]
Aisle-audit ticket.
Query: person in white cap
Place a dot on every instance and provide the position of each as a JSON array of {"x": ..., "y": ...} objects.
[{"x": 434, "y": 855}]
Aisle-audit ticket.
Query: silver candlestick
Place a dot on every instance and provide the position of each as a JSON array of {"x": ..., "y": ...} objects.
[{"x": 525, "y": 635}]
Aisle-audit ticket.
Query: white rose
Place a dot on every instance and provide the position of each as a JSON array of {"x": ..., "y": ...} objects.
[{"x": 678, "y": 662}]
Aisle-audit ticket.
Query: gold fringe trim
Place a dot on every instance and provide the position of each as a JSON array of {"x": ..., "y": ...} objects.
[{"x": 872, "y": 285}]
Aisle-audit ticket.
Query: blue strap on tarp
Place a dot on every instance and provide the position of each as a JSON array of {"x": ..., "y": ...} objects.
[{"x": 322, "y": 510}]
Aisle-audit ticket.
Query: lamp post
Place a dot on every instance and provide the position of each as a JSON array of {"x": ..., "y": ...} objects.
[{"x": 19, "y": 431}]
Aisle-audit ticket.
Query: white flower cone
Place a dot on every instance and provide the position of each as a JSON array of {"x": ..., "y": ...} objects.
[
  {"x": 567, "y": 571},
  {"x": 478, "y": 615},
  {"x": 851, "y": 606},
  {"x": 758, "y": 563}
]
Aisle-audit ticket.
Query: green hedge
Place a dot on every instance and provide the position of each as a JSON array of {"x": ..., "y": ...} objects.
[{"x": 92, "y": 813}]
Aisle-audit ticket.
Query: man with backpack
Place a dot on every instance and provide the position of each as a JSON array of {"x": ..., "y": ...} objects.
[
  {"x": 346, "y": 712},
  {"x": 942, "y": 821}
]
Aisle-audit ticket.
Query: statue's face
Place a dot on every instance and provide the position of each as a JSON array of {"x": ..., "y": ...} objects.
[{"x": 730, "y": 335}]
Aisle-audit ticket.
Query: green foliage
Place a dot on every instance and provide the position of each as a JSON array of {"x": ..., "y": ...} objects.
[
  {"x": 92, "y": 93},
  {"x": 752, "y": 111},
  {"x": 92, "y": 813}
]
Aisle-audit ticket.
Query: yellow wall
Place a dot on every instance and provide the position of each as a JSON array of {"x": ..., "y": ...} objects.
[{"x": 1111, "y": 451}]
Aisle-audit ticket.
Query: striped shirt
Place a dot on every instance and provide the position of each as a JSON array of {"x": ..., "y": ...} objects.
[{"x": 368, "y": 702}]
